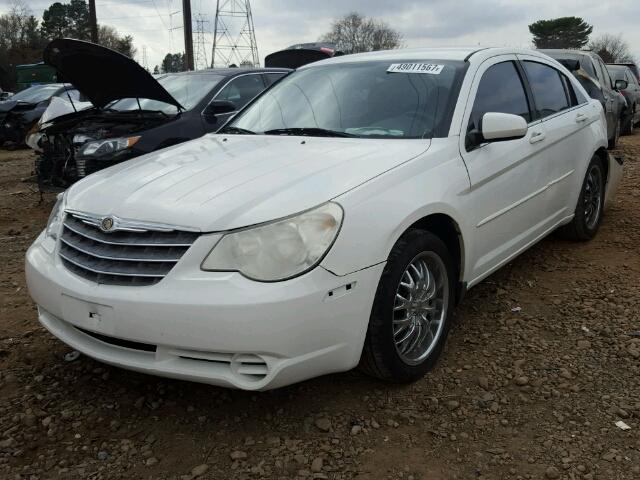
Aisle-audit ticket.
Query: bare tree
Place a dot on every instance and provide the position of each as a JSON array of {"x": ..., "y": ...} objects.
[
  {"x": 612, "y": 48},
  {"x": 355, "y": 33}
]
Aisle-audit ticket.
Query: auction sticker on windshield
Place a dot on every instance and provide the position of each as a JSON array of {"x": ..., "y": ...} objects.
[{"x": 428, "y": 68}]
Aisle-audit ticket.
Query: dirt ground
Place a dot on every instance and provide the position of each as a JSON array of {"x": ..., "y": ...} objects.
[{"x": 533, "y": 394}]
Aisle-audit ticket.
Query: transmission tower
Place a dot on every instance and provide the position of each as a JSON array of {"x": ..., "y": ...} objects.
[
  {"x": 200, "y": 43},
  {"x": 145, "y": 61},
  {"x": 233, "y": 45}
]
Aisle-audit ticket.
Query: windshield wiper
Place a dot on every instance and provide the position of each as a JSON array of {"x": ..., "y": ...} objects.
[
  {"x": 309, "y": 132},
  {"x": 238, "y": 130}
]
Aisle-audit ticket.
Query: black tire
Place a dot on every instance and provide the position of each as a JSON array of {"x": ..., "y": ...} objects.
[
  {"x": 584, "y": 227},
  {"x": 613, "y": 142},
  {"x": 627, "y": 122},
  {"x": 380, "y": 357}
]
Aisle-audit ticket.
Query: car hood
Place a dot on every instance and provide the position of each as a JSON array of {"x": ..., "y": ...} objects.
[
  {"x": 218, "y": 182},
  {"x": 101, "y": 74}
]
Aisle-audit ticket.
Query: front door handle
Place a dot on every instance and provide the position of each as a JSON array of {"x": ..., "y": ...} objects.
[
  {"x": 581, "y": 117},
  {"x": 537, "y": 137}
]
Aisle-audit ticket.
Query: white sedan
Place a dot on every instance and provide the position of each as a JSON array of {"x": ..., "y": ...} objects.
[{"x": 336, "y": 221}]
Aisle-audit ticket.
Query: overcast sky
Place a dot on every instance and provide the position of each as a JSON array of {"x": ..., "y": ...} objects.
[{"x": 157, "y": 24}]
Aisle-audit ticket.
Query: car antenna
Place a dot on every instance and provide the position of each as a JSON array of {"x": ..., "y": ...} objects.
[{"x": 70, "y": 99}]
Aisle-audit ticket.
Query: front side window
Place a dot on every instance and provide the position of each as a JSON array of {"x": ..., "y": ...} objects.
[
  {"x": 241, "y": 90},
  {"x": 617, "y": 73},
  {"x": 501, "y": 91},
  {"x": 549, "y": 92},
  {"x": 359, "y": 99}
]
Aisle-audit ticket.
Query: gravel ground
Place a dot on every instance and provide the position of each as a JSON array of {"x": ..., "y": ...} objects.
[{"x": 543, "y": 359}]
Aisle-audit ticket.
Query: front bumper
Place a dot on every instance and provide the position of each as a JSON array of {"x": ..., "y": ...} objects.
[{"x": 213, "y": 327}]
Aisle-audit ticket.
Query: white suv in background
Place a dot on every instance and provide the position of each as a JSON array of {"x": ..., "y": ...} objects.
[{"x": 335, "y": 221}]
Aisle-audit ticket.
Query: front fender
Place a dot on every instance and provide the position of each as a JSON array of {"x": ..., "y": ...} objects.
[{"x": 378, "y": 212}]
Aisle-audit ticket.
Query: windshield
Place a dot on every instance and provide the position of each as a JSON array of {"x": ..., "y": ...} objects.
[
  {"x": 36, "y": 94},
  {"x": 187, "y": 89},
  {"x": 362, "y": 99}
]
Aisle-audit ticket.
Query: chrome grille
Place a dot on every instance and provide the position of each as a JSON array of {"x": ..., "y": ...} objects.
[{"x": 130, "y": 256}]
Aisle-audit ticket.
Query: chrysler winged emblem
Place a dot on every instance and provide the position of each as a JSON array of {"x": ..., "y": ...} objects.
[{"x": 106, "y": 224}]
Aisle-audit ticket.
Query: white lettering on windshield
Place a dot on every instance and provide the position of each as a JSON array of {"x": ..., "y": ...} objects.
[{"x": 428, "y": 68}]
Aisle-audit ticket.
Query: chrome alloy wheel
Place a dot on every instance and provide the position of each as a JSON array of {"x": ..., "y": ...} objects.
[
  {"x": 420, "y": 307},
  {"x": 593, "y": 196}
]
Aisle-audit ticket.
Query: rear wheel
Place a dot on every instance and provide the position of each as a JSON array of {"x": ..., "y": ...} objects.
[
  {"x": 588, "y": 213},
  {"x": 412, "y": 310}
]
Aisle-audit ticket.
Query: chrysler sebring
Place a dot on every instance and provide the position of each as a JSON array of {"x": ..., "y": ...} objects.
[{"x": 335, "y": 221}]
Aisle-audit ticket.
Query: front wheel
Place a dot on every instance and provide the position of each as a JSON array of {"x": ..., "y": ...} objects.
[
  {"x": 412, "y": 310},
  {"x": 588, "y": 214}
]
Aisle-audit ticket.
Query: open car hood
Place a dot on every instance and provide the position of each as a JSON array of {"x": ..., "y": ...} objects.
[{"x": 101, "y": 74}]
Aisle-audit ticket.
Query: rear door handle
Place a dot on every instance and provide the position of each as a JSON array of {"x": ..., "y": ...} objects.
[
  {"x": 581, "y": 117},
  {"x": 537, "y": 137}
]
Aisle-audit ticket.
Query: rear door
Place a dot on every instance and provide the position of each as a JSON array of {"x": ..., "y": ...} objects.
[
  {"x": 507, "y": 178},
  {"x": 566, "y": 114}
]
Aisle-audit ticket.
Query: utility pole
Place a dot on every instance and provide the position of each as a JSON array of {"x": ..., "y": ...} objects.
[
  {"x": 93, "y": 22},
  {"x": 188, "y": 35}
]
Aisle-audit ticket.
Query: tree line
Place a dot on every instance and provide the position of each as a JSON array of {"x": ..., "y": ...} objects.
[
  {"x": 355, "y": 33},
  {"x": 23, "y": 36}
]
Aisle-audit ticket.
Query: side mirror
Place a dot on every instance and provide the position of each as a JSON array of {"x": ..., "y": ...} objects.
[
  {"x": 621, "y": 84},
  {"x": 498, "y": 127},
  {"x": 219, "y": 107}
]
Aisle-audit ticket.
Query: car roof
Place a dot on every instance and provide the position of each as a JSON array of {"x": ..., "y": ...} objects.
[
  {"x": 567, "y": 52},
  {"x": 476, "y": 54},
  {"x": 229, "y": 72}
]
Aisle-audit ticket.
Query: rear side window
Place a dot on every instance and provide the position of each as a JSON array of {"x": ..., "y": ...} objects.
[
  {"x": 500, "y": 90},
  {"x": 273, "y": 77},
  {"x": 575, "y": 97},
  {"x": 548, "y": 87}
]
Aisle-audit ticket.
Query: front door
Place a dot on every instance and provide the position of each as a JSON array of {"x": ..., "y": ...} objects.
[{"x": 508, "y": 178}]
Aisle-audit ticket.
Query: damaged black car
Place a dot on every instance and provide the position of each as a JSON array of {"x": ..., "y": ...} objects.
[
  {"x": 23, "y": 110},
  {"x": 133, "y": 113}
]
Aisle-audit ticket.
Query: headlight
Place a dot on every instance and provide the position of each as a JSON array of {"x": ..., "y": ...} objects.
[
  {"x": 279, "y": 250},
  {"x": 110, "y": 145},
  {"x": 54, "y": 224}
]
